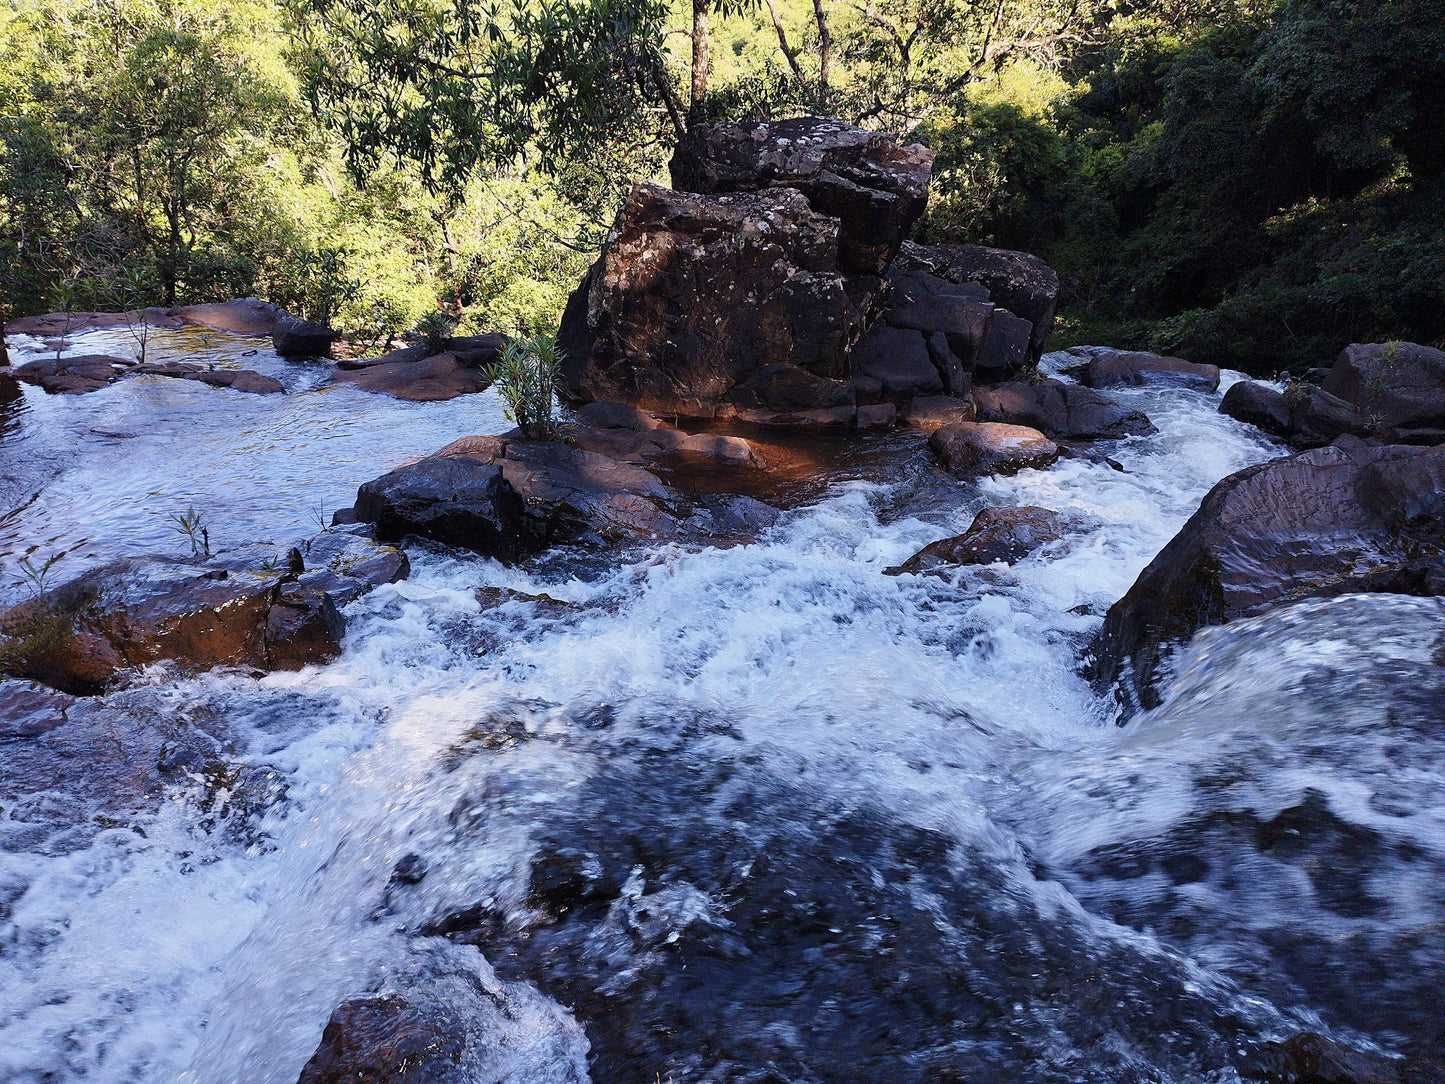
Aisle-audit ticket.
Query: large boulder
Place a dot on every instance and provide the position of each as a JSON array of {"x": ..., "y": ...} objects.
[
  {"x": 694, "y": 294},
  {"x": 874, "y": 186},
  {"x": 1061, "y": 411},
  {"x": 296, "y": 338},
  {"x": 969, "y": 449},
  {"x": 510, "y": 498},
  {"x": 1335, "y": 520},
  {"x": 1103, "y": 367},
  {"x": 997, "y": 534},
  {"x": 243, "y": 316},
  {"x": 135, "y": 612},
  {"x": 1016, "y": 281}
]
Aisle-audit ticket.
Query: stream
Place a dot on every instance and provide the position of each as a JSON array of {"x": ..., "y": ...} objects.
[{"x": 758, "y": 813}]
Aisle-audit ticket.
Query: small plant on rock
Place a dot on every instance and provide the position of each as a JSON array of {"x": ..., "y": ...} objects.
[
  {"x": 37, "y": 576},
  {"x": 527, "y": 378},
  {"x": 433, "y": 331},
  {"x": 192, "y": 524}
]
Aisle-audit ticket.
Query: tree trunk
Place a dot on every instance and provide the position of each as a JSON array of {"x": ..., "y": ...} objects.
[
  {"x": 699, "y": 61},
  {"x": 825, "y": 44}
]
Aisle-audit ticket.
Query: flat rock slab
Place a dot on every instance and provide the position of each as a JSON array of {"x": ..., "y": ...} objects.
[
  {"x": 930, "y": 412},
  {"x": 243, "y": 316},
  {"x": 247, "y": 380},
  {"x": 1101, "y": 367},
  {"x": 74, "y": 375},
  {"x": 422, "y": 380},
  {"x": 970, "y": 449},
  {"x": 1336, "y": 520},
  {"x": 997, "y": 534},
  {"x": 1061, "y": 411}
]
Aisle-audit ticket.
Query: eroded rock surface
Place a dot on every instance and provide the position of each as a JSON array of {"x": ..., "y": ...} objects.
[
  {"x": 386, "y": 1039},
  {"x": 1061, "y": 411},
  {"x": 1336, "y": 520},
  {"x": 969, "y": 449},
  {"x": 997, "y": 534}
]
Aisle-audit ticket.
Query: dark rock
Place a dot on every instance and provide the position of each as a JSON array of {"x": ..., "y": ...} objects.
[
  {"x": 511, "y": 498},
  {"x": 957, "y": 376},
  {"x": 297, "y": 338},
  {"x": 74, "y": 375},
  {"x": 1312, "y": 1059},
  {"x": 732, "y": 518},
  {"x": 1347, "y": 518},
  {"x": 387, "y": 1040},
  {"x": 1398, "y": 390},
  {"x": 1061, "y": 411},
  {"x": 428, "y": 380},
  {"x": 693, "y": 295},
  {"x": 969, "y": 449},
  {"x": 1257, "y": 405},
  {"x": 898, "y": 360},
  {"x": 876, "y": 416},
  {"x": 1105, "y": 368},
  {"x": 474, "y": 351},
  {"x": 1005, "y": 351},
  {"x": 608, "y": 414},
  {"x": 347, "y": 561},
  {"x": 784, "y": 387},
  {"x": 997, "y": 534},
  {"x": 1016, "y": 281},
  {"x": 132, "y": 613},
  {"x": 876, "y": 188}
]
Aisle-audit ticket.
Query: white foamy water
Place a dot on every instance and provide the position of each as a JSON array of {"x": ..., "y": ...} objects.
[{"x": 995, "y": 878}]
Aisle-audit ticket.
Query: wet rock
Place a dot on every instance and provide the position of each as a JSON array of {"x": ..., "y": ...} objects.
[
  {"x": 132, "y": 613},
  {"x": 247, "y": 380},
  {"x": 609, "y": 414},
  {"x": 633, "y": 436},
  {"x": 969, "y": 449},
  {"x": 347, "y": 561},
  {"x": 875, "y": 416},
  {"x": 731, "y": 518},
  {"x": 1257, "y": 405},
  {"x": 1005, "y": 351},
  {"x": 1101, "y": 367},
  {"x": 930, "y": 412},
  {"x": 509, "y": 498},
  {"x": 953, "y": 318},
  {"x": 1308, "y": 1058},
  {"x": 1016, "y": 281},
  {"x": 997, "y": 534},
  {"x": 425, "y": 380},
  {"x": 56, "y": 325},
  {"x": 694, "y": 294},
  {"x": 243, "y": 316},
  {"x": 74, "y": 375},
  {"x": 297, "y": 338},
  {"x": 387, "y": 1040},
  {"x": 874, "y": 186},
  {"x": 1332, "y": 521},
  {"x": 1061, "y": 411}
]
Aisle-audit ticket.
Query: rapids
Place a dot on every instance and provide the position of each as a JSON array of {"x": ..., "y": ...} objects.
[{"x": 759, "y": 813}]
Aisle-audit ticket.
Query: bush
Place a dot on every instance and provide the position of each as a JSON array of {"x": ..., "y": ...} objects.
[
  {"x": 527, "y": 378},
  {"x": 433, "y": 331}
]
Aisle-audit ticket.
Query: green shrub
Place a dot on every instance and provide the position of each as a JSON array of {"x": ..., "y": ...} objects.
[
  {"x": 527, "y": 378},
  {"x": 433, "y": 331}
]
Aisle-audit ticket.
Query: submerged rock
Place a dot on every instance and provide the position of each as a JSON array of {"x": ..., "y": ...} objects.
[
  {"x": 1102, "y": 367},
  {"x": 1061, "y": 411},
  {"x": 997, "y": 534},
  {"x": 74, "y": 375},
  {"x": 509, "y": 498},
  {"x": 969, "y": 449},
  {"x": 247, "y": 380},
  {"x": 1336, "y": 520},
  {"x": 1308, "y": 1058},
  {"x": 387, "y": 1040}
]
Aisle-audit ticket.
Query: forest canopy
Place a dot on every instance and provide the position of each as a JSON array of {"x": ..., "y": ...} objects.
[{"x": 1248, "y": 182}]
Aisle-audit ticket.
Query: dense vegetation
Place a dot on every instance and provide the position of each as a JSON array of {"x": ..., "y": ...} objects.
[{"x": 1248, "y": 181}]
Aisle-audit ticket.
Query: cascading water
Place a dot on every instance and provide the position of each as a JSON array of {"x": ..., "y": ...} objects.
[{"x": 753, "y": 813}]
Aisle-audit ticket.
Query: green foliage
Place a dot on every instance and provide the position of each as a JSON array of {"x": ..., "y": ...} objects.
[
  {"x": 527, "y": 378},
  {"x": 192, "y": 525},
  {"x": 433, "y": 331}
]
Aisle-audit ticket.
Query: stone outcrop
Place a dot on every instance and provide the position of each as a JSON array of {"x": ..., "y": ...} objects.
[
  {"x": 419, "y": 379},
  {"x": 874, "y": 186},
  {"x": 1335, "y": 520},
  {"x": 1102, "y": 367},
  {"x": 247, "y": 380},
  {"x": 1391, "y": 391},
  {"x": 293, "y": 337},
  {"x": 969, "y": 449},
  {"x": 510, "y": 498},
  {"x": 243, "y": 316},
  {"x": 73, "y": 375},
  {"x": 767, "y": 286},
  {"x": 242, "y": 608},
  {"x": 1060, "y": 411},
  {"x": 997, "y": 534},
  {"x": 629, "y": 435},
  {"x": 1024, "y": 285}
]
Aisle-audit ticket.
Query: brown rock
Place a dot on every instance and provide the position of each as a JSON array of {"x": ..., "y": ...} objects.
[
  {"x": 387, "y": 1040},
  {"x": 243, "y": 316},
  {"x": 428, "y": 380},
  {"x": 1347, "y": 518},
  {"x": 997, "y": 534},
  {"x": 296, "y": 338},
  {"x": 878, "y": 416},
  {"x": 73, "y": 375},
  {"x": 1062, "y": 411},
  {"x": 969, "y": 449},
  {"x": 1398, "y": 389},
  {"x": 1104, "y": 368},
  {"x": 930, "y": 412}
]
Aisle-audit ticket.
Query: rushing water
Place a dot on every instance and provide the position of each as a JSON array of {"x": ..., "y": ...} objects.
[{"x": 760, "y": 813}]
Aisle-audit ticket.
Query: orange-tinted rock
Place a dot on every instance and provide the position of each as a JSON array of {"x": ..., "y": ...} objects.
[
  {"x": 427, "y": 380},
  {"x": 969, "y": 449}
]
